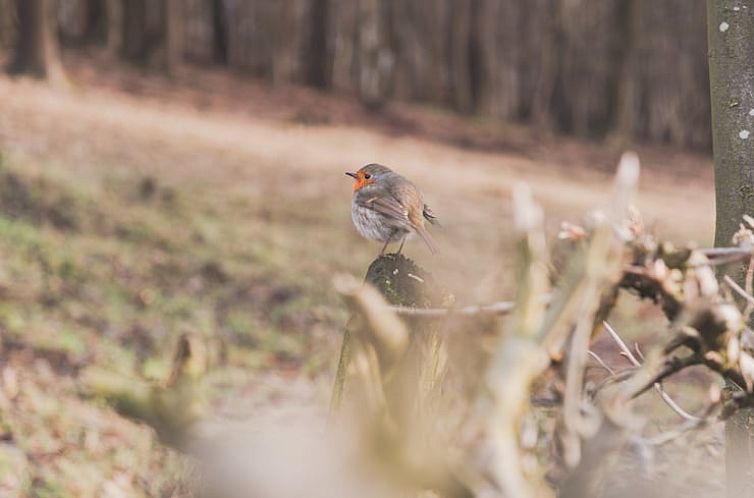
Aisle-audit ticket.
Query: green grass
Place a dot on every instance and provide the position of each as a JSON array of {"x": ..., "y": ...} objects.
[{"x": 109, "y": 272}]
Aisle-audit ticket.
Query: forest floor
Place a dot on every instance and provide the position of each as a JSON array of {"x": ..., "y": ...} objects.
[{"x": 134, "y": 208}]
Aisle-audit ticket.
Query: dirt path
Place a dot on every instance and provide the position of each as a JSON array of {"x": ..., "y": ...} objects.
[{"x": 450, "y": 175}]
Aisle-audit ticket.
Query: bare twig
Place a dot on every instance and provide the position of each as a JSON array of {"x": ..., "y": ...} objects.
[
  {"x": 739, "y": 290},
  {"x": 688, "y": 425},
  {"x": 674, "y": 365},
  {"x": 725, "y": 260},
  {"x": 639, "y": 354},
  {"x": 718, "y": 255},
  {"x": 498, "y": 308},
  {"x": 622, "y": 345},
  {"x": 658, "y": 387},
  {"x": 601, "y": 362},
  {"x": 716, "y": 252}
]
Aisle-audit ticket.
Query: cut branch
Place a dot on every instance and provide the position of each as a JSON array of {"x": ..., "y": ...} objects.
[{"x": 658, "y": 387}]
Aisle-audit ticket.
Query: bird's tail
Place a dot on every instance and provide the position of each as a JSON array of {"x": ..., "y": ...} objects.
[
  {"x": 424, "y": 234},
  {"x": 430, "y": 216}
]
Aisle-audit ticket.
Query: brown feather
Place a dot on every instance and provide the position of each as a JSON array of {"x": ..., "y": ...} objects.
[{"x": 388, "y": 206}]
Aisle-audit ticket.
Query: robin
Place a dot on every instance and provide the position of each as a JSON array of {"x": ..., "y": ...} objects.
[{"x": 388, "y": 207}]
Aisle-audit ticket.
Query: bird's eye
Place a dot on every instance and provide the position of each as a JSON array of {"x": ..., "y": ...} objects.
[{"x": 367, "y": 176}]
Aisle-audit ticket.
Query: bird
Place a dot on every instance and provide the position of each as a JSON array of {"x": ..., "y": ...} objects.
[{"x": 388, "y": 207}]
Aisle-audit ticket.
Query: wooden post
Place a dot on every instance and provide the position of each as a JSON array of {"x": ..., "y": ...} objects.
[
  {"x": 399, "y": 365},
  {"x": 402, "y": 283}
]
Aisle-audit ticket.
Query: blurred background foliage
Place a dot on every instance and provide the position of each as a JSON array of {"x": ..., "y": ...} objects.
[{"x": 623, "y": 69}]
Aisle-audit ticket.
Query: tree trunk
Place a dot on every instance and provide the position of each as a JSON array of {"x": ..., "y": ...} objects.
[
  {"x": 81, "y": 22},
  {"x": 730, "y": 36},
  {"x": 37, "y": 52},
  {"x": 96, "y": 22},
  {"x": 6, "y": 23},
  {"x": 134, "y": 44},
  {"x": 30, "y": 55},
  {"x": 375, "y": 57},
  {"x": 625, "y": 87},
  {"x": 462, "y": 19},
  {"x": 541, "y": 62},
  {"x": 500, "y": 89},
  {"x": 219, "y": 32},
  {"x": 318, "y": 68},
  {"x": 115, "y": 26},
  {"x": 174, "y": 20}
]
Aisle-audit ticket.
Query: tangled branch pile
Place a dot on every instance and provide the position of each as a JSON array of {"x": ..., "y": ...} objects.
[{"x": 545, "y": 346}]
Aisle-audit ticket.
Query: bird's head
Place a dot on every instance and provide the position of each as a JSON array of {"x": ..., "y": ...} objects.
[{"x": 368, "y": 175}]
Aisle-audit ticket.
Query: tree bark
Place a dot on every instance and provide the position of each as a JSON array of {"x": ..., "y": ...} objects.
[
  {"x": 730, "y": 36},
  {"x": 37, "y": 52}
]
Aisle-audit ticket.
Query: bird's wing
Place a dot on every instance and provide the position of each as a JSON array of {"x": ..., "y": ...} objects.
[{"x": 387, "y": 206}]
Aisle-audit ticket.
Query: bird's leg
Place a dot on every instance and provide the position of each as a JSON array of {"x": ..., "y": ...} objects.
[
  {"x": 382, "y": 252},
  {"x": 403, "y": 241}
]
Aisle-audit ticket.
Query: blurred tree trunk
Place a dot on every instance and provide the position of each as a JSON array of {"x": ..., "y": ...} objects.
[
  {"x": 7, "y": 23},
  {"x": 626, "y": 86},
  {"x": 219, "y": 32},
  {"x": 37, "y": 52},
  {"x": 499, "y": 31},
  {"x": 174, "y": 26},
  {"x": 81, "y": 22},
  {"x": 461, "y": 42},
  {"x": 730, "y": 37},
  {"x": 318, "y": 67},
  {"x": 542, "y": 61},
  {"x": 115, "y": 26},
  {"x": 271, "y": 39},
  {"x": 375, "y": 57},
  {"x": 134, "y": 31},
  {"x": 422, "y": 37},
  {"x": 96, "y": 21}
]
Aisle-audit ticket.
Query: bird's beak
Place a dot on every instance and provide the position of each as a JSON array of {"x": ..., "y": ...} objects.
[{"x": 353, "y": 175}]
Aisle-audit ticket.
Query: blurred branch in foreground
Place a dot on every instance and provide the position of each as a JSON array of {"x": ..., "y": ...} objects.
[{"x": 173, "y": 408}]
